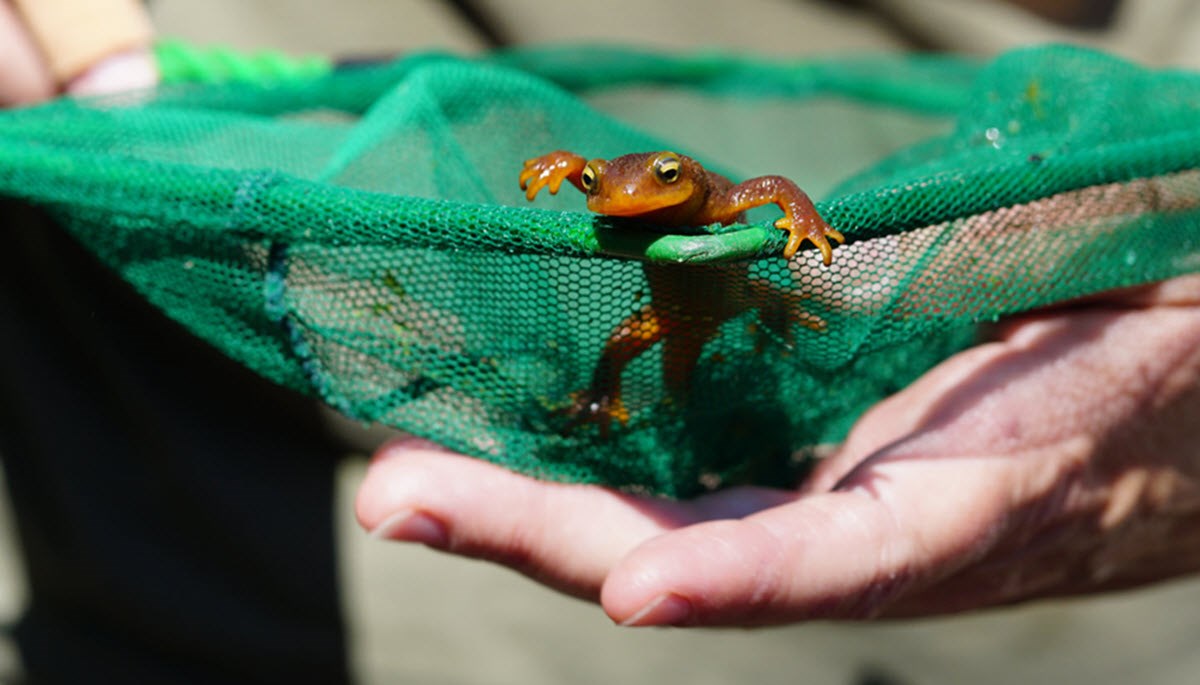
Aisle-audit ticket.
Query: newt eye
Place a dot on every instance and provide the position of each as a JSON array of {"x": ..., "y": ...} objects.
[
  {"x": 667, "y": 168},
  {"x": 588, "y": 178}
]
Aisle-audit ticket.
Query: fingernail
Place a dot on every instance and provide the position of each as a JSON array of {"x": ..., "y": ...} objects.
[
  {"x": 664, "y": 610},
  {"x": 131, "y": 70},
  {"x": 412, "y": 526}
]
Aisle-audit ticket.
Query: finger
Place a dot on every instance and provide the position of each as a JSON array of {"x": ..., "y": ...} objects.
[
  {"x": 901, "y": 414},
  {"x": 416, "y": 491},
  {"x": 1095, "y": 359},
  {"x": 845, "y": 554},
  {"x": 526, "y": 174},
  {"x": 566, "y": 536},
  {"x": 993, "y": 441},
  {"x": 1176, "y": 292},
  {"x": 825, "y": 248},
  {"x": 131, "y": 70},
  {"x": 534, "y": 186},
  {"x": 24, "y": 77}
]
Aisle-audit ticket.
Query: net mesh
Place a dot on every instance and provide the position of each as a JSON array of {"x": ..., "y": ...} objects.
[{"x": 360, "y": 235}]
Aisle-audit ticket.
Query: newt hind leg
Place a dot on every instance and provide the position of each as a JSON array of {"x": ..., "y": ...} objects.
[
  {"x": 779, "y": 310},
  {"x": 600, "y": 403},
  {"x": 682, "y": 339}
]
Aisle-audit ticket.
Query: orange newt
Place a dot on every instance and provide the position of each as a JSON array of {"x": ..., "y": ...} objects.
[{"x": 688, "y": 303}]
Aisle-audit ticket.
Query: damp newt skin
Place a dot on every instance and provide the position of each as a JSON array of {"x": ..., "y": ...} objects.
[{"x": 687, "y": 303}]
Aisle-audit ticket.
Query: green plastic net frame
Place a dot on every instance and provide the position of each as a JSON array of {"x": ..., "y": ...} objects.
[{"x": 359, "y": 235}]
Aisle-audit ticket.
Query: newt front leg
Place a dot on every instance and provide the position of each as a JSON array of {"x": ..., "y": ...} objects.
[
  {"x": 551, "y": 170},
  {"x": 800, "y": 218}
]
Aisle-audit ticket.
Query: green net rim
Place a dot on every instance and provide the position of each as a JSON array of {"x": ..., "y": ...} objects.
[
  {"x": 86, "y": 179},
  {"x": 281, "y": 201}
]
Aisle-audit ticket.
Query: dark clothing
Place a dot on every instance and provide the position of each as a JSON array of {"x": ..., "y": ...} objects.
[{"x": 175, "y": 510}]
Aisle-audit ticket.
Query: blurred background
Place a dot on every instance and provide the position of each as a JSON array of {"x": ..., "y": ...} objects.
[{"x": 413, "y": 615}]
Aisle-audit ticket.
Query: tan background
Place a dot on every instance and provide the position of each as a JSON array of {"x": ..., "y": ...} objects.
[{"x": 420, "y": 617}]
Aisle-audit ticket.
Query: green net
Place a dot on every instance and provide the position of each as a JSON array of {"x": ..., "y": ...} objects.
[{"x": 360, "y": 235}]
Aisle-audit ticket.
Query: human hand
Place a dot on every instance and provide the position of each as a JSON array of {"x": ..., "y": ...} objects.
[
  {"x": 25, "y": 77},
  {"x": 1062, "y": 458}
]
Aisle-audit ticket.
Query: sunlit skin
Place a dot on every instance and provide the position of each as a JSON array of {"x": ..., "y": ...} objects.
[
  {"x": 687, "y": 303},
  {"x": 1057, "y": 460}
]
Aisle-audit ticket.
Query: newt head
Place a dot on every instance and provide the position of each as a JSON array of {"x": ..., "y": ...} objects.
[{"x": 648, "y": 185}]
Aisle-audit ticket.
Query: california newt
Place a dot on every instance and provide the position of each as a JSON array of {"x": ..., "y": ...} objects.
[{"x": 688, "y": 303}]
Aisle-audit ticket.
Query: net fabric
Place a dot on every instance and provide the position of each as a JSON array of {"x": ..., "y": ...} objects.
[{"x": 360, "y": 235}]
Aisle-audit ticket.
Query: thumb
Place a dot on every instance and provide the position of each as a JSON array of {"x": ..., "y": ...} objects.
[
  {"x": 843, "y": 554},
  {"x": 24, "y": 77}
]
